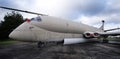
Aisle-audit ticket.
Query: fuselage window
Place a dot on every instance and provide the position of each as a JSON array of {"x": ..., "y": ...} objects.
[{"x": 36, "y": 19}]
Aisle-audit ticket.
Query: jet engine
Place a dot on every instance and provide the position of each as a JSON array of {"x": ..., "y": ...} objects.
[
  {"x": 91, "y": 35},
  {"x": 96, "y": 35}
]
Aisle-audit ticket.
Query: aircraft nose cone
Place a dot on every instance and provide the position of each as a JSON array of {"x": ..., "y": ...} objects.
[
  {"x": 17, "y": 35},
  {"x": 23, "y": 33},
  {"x": 12, "y": 35}
]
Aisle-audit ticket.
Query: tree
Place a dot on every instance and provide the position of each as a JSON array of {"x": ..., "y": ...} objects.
[{"x": 11, "y": 21}]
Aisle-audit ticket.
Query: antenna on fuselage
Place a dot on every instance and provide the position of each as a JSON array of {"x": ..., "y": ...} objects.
[{"x": 22, "y": 11}]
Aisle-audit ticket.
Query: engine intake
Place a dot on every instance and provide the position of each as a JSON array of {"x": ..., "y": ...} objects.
[
  {"x": 91, "y": 35},
  {"x": 96, "y": 35}
]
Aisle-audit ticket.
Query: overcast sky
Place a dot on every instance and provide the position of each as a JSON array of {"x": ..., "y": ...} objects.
[{"x": 89, "y": 12}]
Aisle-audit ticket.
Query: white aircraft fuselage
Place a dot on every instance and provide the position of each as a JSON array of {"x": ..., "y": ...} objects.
[{"x": 48, "y": 28}]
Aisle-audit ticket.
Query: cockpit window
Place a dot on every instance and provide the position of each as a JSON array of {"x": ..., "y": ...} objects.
[{"x": 36, "y": 19}]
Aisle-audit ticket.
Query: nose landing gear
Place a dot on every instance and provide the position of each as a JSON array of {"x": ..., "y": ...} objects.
[{"x": 51, "y": 43}]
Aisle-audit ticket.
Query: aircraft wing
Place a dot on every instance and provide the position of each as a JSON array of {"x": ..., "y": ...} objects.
[{"x": 110, "y": 33}]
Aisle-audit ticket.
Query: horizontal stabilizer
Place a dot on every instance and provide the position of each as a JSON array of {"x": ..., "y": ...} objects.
[{"x": 111, "y": 29}]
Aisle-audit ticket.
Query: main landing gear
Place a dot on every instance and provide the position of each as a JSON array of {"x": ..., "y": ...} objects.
[
  {"x": 43, "y": 44},
  {"x": 40, "y": 44},
  {"x": 105, "y": 40}
]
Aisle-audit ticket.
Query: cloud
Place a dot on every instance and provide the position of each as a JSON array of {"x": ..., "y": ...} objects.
[
  {"x": 90, "y": 20},
  {"x": 58, "y": 8},
  {"x": 7, "y": 3},
  {"x": 92, "y": 7},
  {"x": 111, "y": 21},
  {"x": 93, "y": 12},
  {"x": 49, "y": 7},
  {"x": 90, "y": 12}
]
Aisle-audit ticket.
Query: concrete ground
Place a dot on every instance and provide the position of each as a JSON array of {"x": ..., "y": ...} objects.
[{"x": 93, "y": 50}]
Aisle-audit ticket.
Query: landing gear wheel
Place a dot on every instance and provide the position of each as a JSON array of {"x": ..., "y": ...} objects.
[
  {"x": 40, "y": 44},
  {"x": 105, "y": 41}
]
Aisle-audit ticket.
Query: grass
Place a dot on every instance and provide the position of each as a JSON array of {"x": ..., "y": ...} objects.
[
  {"x": 114, "y": 39},
  {"x": 7, "y": 42}
]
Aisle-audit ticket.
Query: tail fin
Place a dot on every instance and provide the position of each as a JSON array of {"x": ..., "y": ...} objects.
[{"x": 102, "y": 27}]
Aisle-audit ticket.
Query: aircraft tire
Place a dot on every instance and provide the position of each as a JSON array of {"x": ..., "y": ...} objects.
[
  {"x": 40, "y": 44},
  {"x": 105, "y": 41}
]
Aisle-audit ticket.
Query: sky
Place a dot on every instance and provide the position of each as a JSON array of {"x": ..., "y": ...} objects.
[{"x": 90, "y": 12}]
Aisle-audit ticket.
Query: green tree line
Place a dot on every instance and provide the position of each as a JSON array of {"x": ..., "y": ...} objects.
[{"x": 10, "y": 22}]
